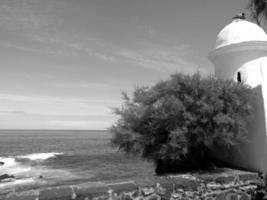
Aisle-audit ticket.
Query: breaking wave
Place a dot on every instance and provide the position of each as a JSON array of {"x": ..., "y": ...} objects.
[
  {"x": 28, "y": 169},
  {"x": 40, "y": 156}
]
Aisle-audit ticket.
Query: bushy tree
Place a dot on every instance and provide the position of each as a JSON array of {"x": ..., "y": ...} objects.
[
  {"x": 258, "y": 9},
  {"x": 177, "y": 123}
]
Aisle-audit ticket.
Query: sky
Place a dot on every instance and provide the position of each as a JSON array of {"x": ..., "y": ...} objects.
[{"x": 64, "y": 63}]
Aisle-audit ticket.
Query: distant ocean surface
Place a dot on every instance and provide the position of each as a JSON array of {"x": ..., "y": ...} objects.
[{"x": 39, "y": 158}]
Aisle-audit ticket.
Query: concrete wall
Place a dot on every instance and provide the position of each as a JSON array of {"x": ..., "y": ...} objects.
[{"x": 220, "y": 184}]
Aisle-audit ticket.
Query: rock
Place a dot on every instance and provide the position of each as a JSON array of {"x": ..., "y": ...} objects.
[
  {"x": 148, "y": 191},
  {"x": 2, "y": 163},
  {"x": 6, "y": 176}
]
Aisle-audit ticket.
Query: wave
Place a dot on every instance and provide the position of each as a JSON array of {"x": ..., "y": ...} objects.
[
  {"x": 29, "y": 169},
  {"x": 8, "y": 162},
  {"x": 11, "y": 166},
  {"x": 39, "y": 156},
  {"x": 21, "y": 166},
  {"x": 16, "y": 183}
]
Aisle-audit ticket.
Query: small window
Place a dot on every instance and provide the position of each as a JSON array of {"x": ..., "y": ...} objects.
[{"x": 239, "y": 77}]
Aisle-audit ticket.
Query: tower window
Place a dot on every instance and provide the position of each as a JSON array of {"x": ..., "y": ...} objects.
[{"x": 238, "y": 76}]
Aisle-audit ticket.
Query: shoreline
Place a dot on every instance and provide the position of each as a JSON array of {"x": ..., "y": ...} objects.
[{"x": 209, "y": 184}]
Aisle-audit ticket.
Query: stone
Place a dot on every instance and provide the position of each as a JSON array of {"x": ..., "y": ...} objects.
[
  {"x": 2, "y": 163},
  {"x": 161, "y": 190},
  {"x": 153, "y": 197},
  {"x": 148, "y": 191},
  {"x": 189, "y": 194},
  {"x": 175, "y": 196},
  {"x": 6, "y": 176}
]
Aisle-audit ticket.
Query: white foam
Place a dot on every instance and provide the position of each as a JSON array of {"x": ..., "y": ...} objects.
[
  {"x": 8, "y": 162},
  {"x": 11, "y": 166},
  {"x": 40, "y": 156}
]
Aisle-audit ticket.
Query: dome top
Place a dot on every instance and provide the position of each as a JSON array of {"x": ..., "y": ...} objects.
[{"x": 240, "y": 31}]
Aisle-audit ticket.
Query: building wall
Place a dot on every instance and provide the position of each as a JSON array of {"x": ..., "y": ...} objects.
[{"x": 252, "y": 69}]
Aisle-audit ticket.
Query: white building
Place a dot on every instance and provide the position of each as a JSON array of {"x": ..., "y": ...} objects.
[{"x": 241, "y": 53}]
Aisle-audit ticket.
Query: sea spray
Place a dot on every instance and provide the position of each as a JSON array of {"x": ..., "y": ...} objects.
[
  {"x": 11, "y": 166},
  {"x": 40, "y": 156},
  {"x": 29, "y": 169}
]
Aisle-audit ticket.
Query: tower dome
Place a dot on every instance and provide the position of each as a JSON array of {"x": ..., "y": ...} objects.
[{"x": 240, "y": 31}]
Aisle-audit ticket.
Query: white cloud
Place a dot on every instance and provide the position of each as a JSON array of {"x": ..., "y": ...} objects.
[
  {"x": 43, "y": 50},
  {"x": 50, "y": 105},
  {"x": 49, "y": 112},
  {"x": 162, "y": 59},
  {"x": 80, "y": 124},
  {"x": 37, "y": 25},
  {"x": 75, "y": 45},
  {"x": 50, "y": 99},
  {"x": 25, "y": 16},
  {"x": 84, "y": 85}
]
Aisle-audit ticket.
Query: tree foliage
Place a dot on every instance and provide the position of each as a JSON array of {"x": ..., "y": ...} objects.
[
  {"x": 258, "y": 9},
  {"x": 177, "y": 123}
]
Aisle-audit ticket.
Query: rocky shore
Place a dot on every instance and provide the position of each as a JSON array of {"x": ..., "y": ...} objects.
[
  {"x": 221, "y": 184},
  {"x": 5, "y": 177}
]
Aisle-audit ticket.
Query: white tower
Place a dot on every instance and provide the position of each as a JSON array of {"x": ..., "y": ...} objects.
[{"x": 241, "y": 54}]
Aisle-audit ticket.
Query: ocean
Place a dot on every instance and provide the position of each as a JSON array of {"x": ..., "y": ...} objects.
[{"x": 41, "y": 158}]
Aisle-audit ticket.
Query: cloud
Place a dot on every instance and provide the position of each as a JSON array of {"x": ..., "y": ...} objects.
[
  {"x": 45, "y": 122},
  {"x": 75, "y": 46},
  {"x": 32, "y": 111},
  {"x": 43, "y": 50},
  {"x": 35, "y": 27},
  {"x": 57, "y": 47},
  {"x": 58, "y": 117},
  {"x": 26, "y": 16},
  {"x": 51, "y": 105},
  {"x": 49, "y": 99},
  {"x": 162, "y": 59},
  {"x": 84, "y": 85},
  {"x": 68, "y": 124}
]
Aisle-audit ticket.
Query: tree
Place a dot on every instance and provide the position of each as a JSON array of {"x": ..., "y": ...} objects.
[
  {"x": 179, "y": 123},
  {"x": 258, "y": 10}
]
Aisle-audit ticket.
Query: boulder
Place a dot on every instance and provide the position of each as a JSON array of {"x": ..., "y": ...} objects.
[
  {"x": 6, "y": 176},
  {"x": 2, "y": 163}
]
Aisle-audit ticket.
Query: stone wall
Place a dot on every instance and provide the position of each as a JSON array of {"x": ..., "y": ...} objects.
[{"x": 221, "y": 184}]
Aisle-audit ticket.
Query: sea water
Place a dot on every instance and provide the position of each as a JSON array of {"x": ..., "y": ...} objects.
[{"x": 38, "y": 158}]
